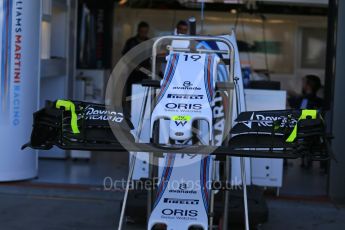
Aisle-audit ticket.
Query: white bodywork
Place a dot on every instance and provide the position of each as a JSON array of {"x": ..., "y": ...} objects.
[
  {"x": 183, "y": 194},
  {"x": 187, "y": 91},
  {"x": 188, "y": 94}
]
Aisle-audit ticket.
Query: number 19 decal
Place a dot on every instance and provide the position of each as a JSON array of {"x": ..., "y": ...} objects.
[{"x": 194, "y": 57}]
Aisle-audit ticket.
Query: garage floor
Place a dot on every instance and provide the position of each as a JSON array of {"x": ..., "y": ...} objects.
[
  {"x": 81, "y": 171},
  {"x": 303, "y": 181},
  {"x": 297, "y": 181},
  {"x": 69, "y": 195},
  {"x": 40, "y": 208}
]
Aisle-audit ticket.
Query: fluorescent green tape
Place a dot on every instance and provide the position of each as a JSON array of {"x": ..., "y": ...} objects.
[
  {"x": 69, "y": 106},
  {"x": 304, "y": 115},
  {"x": 180, "y": 118}
]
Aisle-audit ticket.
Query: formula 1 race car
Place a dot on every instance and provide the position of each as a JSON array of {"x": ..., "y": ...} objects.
[{"x": 182, "y": 130}]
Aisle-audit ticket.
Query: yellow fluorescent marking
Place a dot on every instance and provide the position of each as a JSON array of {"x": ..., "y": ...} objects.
[
  {"x": 181, "y": 118},
  {"x": 69, "y": 106},
  {"x": 304, "y": 115}
]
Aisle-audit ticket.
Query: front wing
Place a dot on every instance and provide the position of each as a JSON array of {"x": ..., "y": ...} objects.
[{"x": 270, "y": 134}]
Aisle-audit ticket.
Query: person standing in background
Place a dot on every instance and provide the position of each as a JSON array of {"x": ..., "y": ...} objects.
[
  {"x": 141, "y": 36},
  {"x": 309, "y": 98},
  {"x": 136, "y": 76},
  {"x": 181, "y": 27}
]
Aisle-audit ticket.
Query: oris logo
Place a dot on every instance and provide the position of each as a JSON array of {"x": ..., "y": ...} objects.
[
  {"x": 180, "y": 212},
  {"x": 183, "y": 106}
]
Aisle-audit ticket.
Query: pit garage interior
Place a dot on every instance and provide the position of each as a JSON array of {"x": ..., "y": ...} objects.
[{"x": 79, "y": 42}]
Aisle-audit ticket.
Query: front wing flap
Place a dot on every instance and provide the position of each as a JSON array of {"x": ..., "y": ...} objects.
[
  {"x": 295, "y": 131},
  {"x": 88, "y": 126},
  {"x": 91, "y": 130}
]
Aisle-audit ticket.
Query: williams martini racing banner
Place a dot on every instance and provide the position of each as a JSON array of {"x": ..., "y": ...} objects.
[
  {"x": 20, "y": 23},
  {"x": 19, "y": 59}
]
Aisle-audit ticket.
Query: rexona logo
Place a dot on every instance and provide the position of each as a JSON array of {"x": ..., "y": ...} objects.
[
  {"x": 183, "y": 106},
  {"x": 269, "y": 121},
  {"x": 181, "y": 201},
  {"x": 185, "y": 96},
  {"x": 187, "y": 85},
  {"x": 103, "y": 115},
  {"x": 180, "y": 212}
]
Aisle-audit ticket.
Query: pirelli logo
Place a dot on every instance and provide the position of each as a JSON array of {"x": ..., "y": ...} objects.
[
  {"x": 181, "y": 201},
  {"x": 185, "y": 96}
]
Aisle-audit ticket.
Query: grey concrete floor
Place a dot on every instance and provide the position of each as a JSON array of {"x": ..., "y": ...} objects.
[
  {"x": 86, "y": 206},
  {"x": 301, "y": 181},
  {"x": 91, "y": 172},
  {"x": 288, "y": 215},
  {"x": 20, "y": 212},
  {"x": 25, "y": 208},
  {"x": 297, "y": 181}
]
